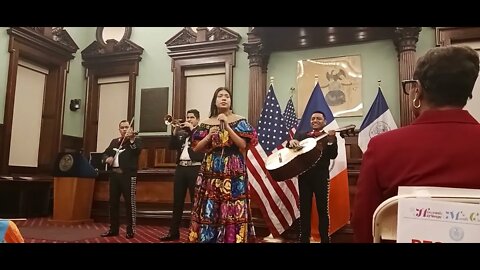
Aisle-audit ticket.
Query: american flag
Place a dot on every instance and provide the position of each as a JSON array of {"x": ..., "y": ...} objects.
[
  {"x": 290, "y": 117},
  {"x": 278, "y": 201}
]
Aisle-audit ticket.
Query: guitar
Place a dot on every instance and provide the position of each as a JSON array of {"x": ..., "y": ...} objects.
[{"x": 290, "y": 162}]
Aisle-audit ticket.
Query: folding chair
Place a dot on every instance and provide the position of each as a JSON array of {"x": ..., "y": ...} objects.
[{"x": 384, "y": 222}]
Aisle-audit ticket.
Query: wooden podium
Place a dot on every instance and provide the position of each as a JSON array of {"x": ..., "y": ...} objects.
[
  {"x": 73, "y": 186},
  {"x": 72, "y": 200}
]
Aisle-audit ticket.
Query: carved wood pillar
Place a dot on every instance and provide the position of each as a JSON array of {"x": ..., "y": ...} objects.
[
  {"x": 265, "y": 81},
  {"x": 406, "y": 39},
  {"x": 257, "y": 77}
]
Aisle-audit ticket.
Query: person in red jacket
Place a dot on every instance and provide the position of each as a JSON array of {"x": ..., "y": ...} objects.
[{"x": 439, "y": 148}]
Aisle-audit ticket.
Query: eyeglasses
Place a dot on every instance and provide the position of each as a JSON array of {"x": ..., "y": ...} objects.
[{"x": 407, "y": 85}]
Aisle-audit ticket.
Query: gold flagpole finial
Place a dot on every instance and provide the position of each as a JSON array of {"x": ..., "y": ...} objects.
[
  {"x": 316, "y": 79},
  {"x": 379, "y": 83},
  {"x": 271, "y": 80}
]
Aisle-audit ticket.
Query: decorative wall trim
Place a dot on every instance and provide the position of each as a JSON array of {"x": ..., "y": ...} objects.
[
  {"x": 52, "y": 48},
  {"x": 204, "y": 48}
]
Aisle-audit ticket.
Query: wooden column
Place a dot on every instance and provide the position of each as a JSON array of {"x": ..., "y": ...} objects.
[
  {"x": 406, "y": 39},
  {"x": 257, "y": 78},
  {"x": 265, "y": 81}
]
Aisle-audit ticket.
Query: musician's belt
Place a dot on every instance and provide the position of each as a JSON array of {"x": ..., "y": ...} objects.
[
  {"x": 188, "y": 163},
  {"x": 117, "y": 170}
]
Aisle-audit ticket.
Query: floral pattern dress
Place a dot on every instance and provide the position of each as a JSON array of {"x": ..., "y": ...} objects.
[{"x": 221, "y": 210}]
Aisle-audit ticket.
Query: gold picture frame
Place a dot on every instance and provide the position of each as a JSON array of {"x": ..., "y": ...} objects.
[{"x": 340, "y": 79}]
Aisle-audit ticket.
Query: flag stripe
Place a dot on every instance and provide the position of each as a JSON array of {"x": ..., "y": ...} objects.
[
  {"x": 291, "y": 184},
  {"x": 378, "y": 120},
  {"x": 379, "y": 106},
  {"x": 278, "y": 201},
  {"x": 269, "y": 208},
  {"x": 274, "y": 188}
]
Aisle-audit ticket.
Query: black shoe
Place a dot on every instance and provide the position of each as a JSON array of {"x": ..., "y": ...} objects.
[
  {"x": 170, "y": 237},
  {"x": 109, "y": 233},
  {"x": 129, "y": 235}
]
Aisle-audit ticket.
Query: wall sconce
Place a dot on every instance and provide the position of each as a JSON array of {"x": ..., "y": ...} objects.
[{"x": 74, "y": 105}]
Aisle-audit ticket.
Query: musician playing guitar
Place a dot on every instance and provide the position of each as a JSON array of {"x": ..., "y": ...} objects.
[{"x": 316, "y": 179}]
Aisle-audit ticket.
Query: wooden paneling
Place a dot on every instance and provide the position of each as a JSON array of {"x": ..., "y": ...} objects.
[
  {"x": 107, "y": 60},
  {"x": 201, "y": 49},
  {"x": 49, "y": 49},
  {"x": 159, "y": 156},
  {"x": 452, "y": 35},
  {"x": 71, "y": 144},
  {"x": 156, "y": 153}
]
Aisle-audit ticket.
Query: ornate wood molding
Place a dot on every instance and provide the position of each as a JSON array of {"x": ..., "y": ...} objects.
[
  {"x": 52, "y": 48},
  {"x": 406, "y": 38},
  {"x": 188, "y": 43},
  {"x": 51, "y": 39},
  {"x": 450, "y": 35},
  {"x": 405, "y": 41},
  {"x": 204, "y": 48},
  {"x": 115, "y": 58},
  {"x": 258, "y": 65},
  {"x": 113, "y": 51}
]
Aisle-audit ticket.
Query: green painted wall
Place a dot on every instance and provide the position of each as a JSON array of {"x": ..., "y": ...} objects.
[
  {"x": 155, "y": 67},
  {"x": 379, "y": 62},
  {"x": 76, "y": 83}
]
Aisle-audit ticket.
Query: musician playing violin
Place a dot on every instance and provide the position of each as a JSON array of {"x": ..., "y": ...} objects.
[
  {"x": 316, "y": 179},
  {"x": 122, "y": 157}
]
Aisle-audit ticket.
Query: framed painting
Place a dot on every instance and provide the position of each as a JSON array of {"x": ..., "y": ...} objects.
[{"x": 340, "y": 79}]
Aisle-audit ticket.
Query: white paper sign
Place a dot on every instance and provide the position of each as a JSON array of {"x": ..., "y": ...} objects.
[{"x": 434, "y": 221}]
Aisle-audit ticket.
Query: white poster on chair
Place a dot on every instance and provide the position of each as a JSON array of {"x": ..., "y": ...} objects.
[{"x": 433, "y": 221}]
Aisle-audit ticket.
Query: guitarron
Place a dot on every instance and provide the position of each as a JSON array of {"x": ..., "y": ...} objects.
[{"x": 289, "y": 162}]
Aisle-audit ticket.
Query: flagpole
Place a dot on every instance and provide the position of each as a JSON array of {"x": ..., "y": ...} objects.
[
  {"x": 271, "y": 80},
  {"x": 379, "y": 83},
  {"x": 316, "y": 80},
  {"x": 292, "y": 89}
]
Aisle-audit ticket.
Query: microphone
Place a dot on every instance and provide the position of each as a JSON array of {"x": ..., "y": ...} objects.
[{"x": 222, "y": 125}]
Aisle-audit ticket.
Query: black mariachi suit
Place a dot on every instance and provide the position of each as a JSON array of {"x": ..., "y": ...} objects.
[
  {"x": 124, "y": 182},
  {"x": 316, "y": 181},
  {"x": 184, "y": 178}
]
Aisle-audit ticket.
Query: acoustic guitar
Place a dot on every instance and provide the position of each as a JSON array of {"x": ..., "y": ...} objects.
[{"x": 290, "y": 162}]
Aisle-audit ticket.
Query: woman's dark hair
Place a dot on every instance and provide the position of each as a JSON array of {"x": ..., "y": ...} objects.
[
  {"x": 213, "y": 106},
  {"x": 448, "y": 74}
]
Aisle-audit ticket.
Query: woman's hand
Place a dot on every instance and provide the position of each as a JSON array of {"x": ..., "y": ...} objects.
[
  {"x": 213, "y": 130},
  {"x": 222, "y": 117}
]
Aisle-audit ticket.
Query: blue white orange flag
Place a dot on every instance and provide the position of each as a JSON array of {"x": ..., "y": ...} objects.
[
  {"x": 379, "y": 119},
  {"x": 278, "y": 201},
  {"x": 338, "y": 199}
]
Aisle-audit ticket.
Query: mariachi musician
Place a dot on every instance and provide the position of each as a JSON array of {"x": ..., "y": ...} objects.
[
  {"x": 187, "y": 169},
  {"x": 316, "y": 179},
  {"x": 122, "y": 157}
]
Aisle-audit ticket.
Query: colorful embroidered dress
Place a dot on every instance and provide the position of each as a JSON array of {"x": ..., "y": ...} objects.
[{"x": 221, "y": 210}]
